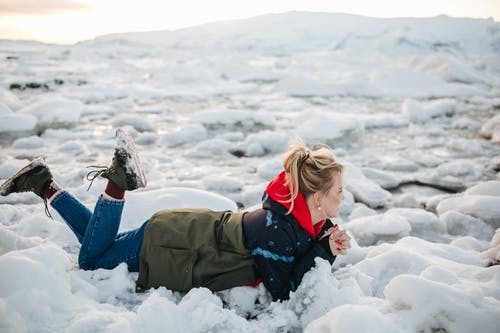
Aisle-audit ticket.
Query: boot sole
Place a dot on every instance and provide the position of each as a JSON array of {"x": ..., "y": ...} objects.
[
  {"x": 125, "y": 141},
  {"x": 5, "y": 187}
]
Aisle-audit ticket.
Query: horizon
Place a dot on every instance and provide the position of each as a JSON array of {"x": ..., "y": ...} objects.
[{"x": 66, "y": 22}]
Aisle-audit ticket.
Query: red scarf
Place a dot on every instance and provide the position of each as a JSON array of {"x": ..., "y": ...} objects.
[{"x": 279, "y": 191}]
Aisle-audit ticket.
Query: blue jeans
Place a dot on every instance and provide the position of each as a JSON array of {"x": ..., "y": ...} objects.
[{"x": 97, "y": 232}]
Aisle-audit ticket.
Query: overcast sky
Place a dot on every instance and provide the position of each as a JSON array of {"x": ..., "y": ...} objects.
[{"x": 69, "y": 21}]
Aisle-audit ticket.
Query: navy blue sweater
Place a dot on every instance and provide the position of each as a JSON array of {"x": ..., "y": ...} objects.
[{"x": 282, "y": 250}]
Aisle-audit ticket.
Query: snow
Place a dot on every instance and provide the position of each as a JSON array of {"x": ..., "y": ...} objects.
[
  {"x": 410, "y": 106},
  {"x": 491, "y": 129},
  {"x": 484, "y": 207}
]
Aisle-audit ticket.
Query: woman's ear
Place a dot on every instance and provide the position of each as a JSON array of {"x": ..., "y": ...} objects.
[{"x": 317, "y": 198}]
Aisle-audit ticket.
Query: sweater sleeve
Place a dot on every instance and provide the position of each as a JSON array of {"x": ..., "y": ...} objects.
[
  {"x": 317, "y": 249},
  {"x": 280, "y": 270}
]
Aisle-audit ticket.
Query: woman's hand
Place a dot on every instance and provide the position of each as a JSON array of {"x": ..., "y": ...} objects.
[{"x": 339, "y": 240}]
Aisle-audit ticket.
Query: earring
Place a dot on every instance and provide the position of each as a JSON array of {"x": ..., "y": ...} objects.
[{"x": 319, "y": 208}]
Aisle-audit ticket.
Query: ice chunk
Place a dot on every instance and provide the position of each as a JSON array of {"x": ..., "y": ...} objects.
[
  {"x": 316, "y": 125},
  {"x": 56, "y": 112},
  {"x": 459, "y": 224},
  {"x": 491, "y": 129},
  {"x": 364, "y": 189},
  {"x": 483, "y": 207}
]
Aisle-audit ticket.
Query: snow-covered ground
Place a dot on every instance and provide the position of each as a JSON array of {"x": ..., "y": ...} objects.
[{"x": 411, "y": 106}]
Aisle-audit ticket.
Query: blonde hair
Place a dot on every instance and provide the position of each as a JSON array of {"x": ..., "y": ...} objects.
[{"x": 309, "y": 171}]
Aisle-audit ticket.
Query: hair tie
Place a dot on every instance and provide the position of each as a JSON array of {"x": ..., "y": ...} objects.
[{"x": 303, "y": 159}]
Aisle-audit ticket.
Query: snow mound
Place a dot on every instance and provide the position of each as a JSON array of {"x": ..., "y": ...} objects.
[
  {"x": 493, "y": 253},
  {"x": 459, "y": 224},
  {"x": 364, "y": 189},
  {"x": 15, "y": 123},
  {"x": 491, "y": 129},
  {"x": 483, "y": 207},
  {"x": 423, "y": 112},
  {"x": 185, "y": 134},
  {"x": 371, "y": 230},
  {"x": 56, "y": 112},
  {"x": 315, "y": 125}
]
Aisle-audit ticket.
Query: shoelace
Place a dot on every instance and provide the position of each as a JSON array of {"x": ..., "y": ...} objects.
[
  {"x": 47, "y": 212},
  {"x": 92, "y": 175}
]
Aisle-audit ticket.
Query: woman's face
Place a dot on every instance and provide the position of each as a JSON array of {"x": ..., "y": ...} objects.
[{"x": 330, "y": 203}]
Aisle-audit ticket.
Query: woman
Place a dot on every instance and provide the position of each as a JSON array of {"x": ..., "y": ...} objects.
[{"x": 186, "y": 248}]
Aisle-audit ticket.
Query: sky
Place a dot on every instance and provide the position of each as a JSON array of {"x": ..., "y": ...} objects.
[{"x": 70, "y": 21}]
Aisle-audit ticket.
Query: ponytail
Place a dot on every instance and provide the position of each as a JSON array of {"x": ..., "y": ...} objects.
[{"x": 309, "y": 171}]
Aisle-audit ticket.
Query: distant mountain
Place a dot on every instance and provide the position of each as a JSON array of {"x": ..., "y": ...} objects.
[{"x": 309, "y": 31}]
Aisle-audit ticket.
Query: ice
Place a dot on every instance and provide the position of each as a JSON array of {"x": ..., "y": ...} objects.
[
  {"x": 493, "y": 253},
  {"x": 384, "y": 179},
  {"x": 185, "y": 134},
  {"x": 316, "y": 125},
  {"x": 139, "y": 123},
  {"x": 15, "y": 124},
  {"x": 370, "y": 230},
  {"x": 363, "y": 189},
  {"x": 491, "y": 187},
  {"x": 422, "y": 113},
  {"x": 491, "y": 129},
  {"x": 239, "y": 119},
  {"x": 483, "y": 207},
  {"x": 54, "y": 112},
  {"x": 463, "y": 225},
  {"x": 409, "y": 105}
]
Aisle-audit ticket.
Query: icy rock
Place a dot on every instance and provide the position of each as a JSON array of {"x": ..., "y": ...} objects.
[
  {"x": 55, "y": 112},
  {"x": 491, "y": 129},
  {"x": 323, "y": 126},
  {"x": 483, "y": 207},
  {"x": 459, "y": 224},
  {"x": 364, "y": 189},
  {"x": 384, "y": 179},
  {"x": 432, "y": 203},
  {"x": 186, "y": 134}
]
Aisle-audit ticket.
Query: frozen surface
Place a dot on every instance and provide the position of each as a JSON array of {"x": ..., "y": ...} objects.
[{"x": 410, "y": 106}]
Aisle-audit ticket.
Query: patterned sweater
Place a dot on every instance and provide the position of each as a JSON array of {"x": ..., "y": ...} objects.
[{"x": 283, "y": 245}]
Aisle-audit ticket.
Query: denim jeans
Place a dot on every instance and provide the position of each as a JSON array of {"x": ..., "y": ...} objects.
[{"x": 97, "y": 232}]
